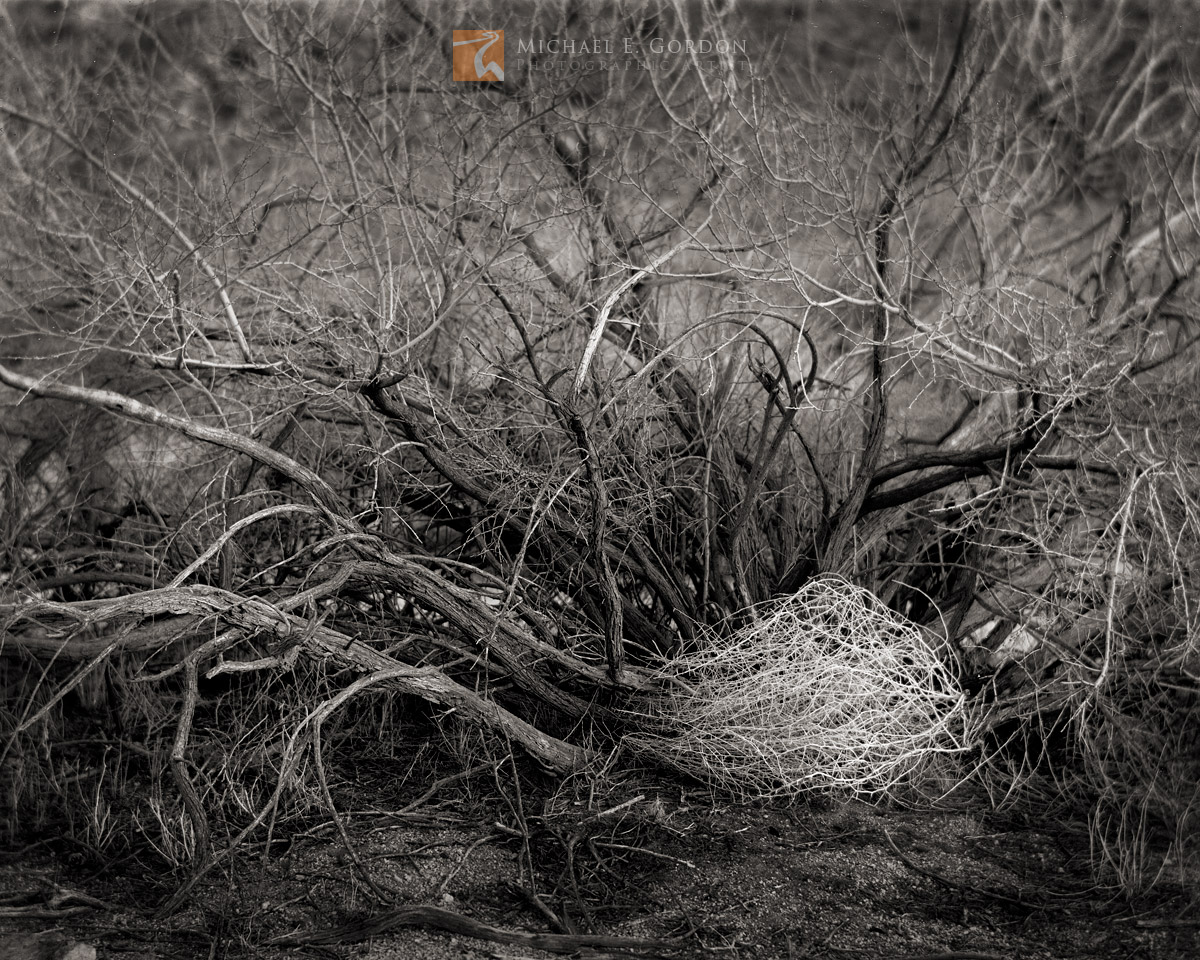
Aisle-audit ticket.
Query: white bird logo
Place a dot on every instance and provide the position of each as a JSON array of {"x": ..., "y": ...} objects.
[{"x": 482, "y": 69}]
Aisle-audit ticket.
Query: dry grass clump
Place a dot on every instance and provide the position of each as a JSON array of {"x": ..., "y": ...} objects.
[{"x": 824, "y": 692}]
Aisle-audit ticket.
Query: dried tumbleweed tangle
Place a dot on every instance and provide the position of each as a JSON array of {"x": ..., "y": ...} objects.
[{"x": 826, "y": 691}]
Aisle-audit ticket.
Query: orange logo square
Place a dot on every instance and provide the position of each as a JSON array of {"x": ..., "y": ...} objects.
[{"x": 478, "y": 55}]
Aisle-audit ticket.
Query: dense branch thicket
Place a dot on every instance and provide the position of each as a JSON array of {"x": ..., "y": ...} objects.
[{"x": 326, "y": 378}]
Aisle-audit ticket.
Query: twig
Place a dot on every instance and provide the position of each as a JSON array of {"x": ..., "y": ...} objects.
[
  {"x": 1161, "y": 924},
  {"x": 455, "y": 870},
  {"x": 183, "y": 783},
  {"x": 610, "y": 302},
  {"x": 645, "y": 852},
  {"x": 232, "y": 531},
  {"x": 1114, "y": 578},
  {"x": 38, "y": 912},
  {"x": 60, "y": 903},
  {"x": 955, "y": 885},
  {"x": 619, "y": 807},
  {"x": 948, "y": 955},
  {"x": 456, "y": 923},
  {"x": 444, "y": 782},
  {"x": 614, "y": 630},
  {"x": 538, "y": 904},
  {"x": 517, "y": 806},
  {"x": 323, "y": 780},
  {"x": 952, "y": 955}
]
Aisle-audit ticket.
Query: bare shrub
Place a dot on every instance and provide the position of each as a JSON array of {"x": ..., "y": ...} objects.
[{"x": 322, "y": 369}]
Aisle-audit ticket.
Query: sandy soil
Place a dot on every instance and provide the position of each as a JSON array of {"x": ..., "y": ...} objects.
[{"x": 675, "y": 873}]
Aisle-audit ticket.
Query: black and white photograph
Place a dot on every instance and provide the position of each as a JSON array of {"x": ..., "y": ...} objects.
[{"x": 610, "y": 479}]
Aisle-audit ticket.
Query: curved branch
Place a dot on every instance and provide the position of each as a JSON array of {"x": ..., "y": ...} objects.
[
  {"x": 951, "y": 458},
  {"x": 215, "y": 546},
  {"x": 124, "y": 406},
  {"x": 976, "y": 468},
  {"x": 606, "y": 310},
  {"x": 253, "y": 615}
]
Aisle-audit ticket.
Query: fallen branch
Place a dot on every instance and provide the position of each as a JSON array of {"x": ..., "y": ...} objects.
[
  {"x": 422, "y": 915},
  {"x": 1165, "y": 924},
  {"x": 59, "y": 902},
  {"x": 125, "y": 406},
  {"x": 256, "y": 616}
]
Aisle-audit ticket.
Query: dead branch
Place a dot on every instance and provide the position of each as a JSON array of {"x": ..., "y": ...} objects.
[
  {"x": 421, "y": 915},
  {"x": 255, "y": 617},
  {"x": 125, "y": 406}
]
